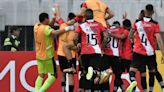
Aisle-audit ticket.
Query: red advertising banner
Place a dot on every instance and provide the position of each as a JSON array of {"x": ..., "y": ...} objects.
[{"x": 18, "y": 73}]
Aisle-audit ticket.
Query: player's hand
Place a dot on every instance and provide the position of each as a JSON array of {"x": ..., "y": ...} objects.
[
  {"x": 78, "y": 46},
  {"x": 124, "y": 16},
  {"x": 55, "y": 9},
  {"x": 162, "y": 60}
]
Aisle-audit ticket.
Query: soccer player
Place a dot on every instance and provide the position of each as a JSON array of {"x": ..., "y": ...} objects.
[
  {"x": 126, "y": 48},
  {"x": 141, "y": 15},
  {"x": 101, "y": 11},
  {"x": 157, "y": 73},
  {"x": 90, "y": 32},
  {"x": 67, "y": 64},
  {"x": 147, "y": 31},
  {"x": 43, "y": 35},
  {"x": 112, "y": 53}
]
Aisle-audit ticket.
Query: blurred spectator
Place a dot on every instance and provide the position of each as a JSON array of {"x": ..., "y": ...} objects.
[{"x": 12, "y": 43}]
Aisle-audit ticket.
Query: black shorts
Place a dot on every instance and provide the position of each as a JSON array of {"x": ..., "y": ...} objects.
[
  {"x": 141, "y": 61},
  {"x": 87, "y": 60},
  {"x": 113, "y": 62},
  {"x": 125, "y": 65},
  {"x": 93, "y": 60},
  {"x": 63, "y": 62}
]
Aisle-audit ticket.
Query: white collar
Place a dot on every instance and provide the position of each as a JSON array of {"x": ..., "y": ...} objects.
[
  {"x": 113, "y": 27},
  {"x": 146, "y": 19},
  {"x": 13, "y": 36},
  {"x": 91, "y": 20}
]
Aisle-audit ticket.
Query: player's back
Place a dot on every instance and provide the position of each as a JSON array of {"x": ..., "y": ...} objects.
[
  {"x": 113, "y": 44},
  {"x": 90, "y": 37},
  {"x": 145, "y": 36},
  {"x": 43, "y": 42},
  {"x": 99, "y": 10}
]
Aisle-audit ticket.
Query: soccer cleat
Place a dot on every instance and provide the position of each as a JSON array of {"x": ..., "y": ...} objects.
[
  {"x": 70, "y": 70},
  {"x": 90, "y": 73},
  {"x": 131, "y": 87},
  {"x": 104, "y": 77}
]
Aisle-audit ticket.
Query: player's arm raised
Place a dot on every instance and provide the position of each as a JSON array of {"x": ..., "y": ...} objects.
[
  {"x": 104, "y": 41},
  {"x": 131, "y": 34},
  {"x": 56, "y": 12},
  {"x": 77, "y": 34},
  {"x": 52, "y": 22},
  {"x": 110, "y": 14},
  {"x": 59, "y": 32},
  {"x": 160, "y": 44},
  {"x": 77, "y": 18}
]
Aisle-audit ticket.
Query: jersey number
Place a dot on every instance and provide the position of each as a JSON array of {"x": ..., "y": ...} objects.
[
  {"x": 144, "y": 39},
  {"x": 112, "y": 41},
  {"x": 91, "y": 39}
]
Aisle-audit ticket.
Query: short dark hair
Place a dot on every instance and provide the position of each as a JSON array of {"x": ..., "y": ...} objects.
[
  {"x": 81, "y": 5},
  {"x": 56, "y": 27},
  {"x": 88, "y": 14},
  {"x": 71, "y": 15},
  {"x": 149, "y": 7},
  {"x": 116, "y": 23},
  {"x": 142, "y": 12},
  {"x": 126, "y": 23},
  {"x": 14, "y": 28},
  {"x": 43, "y": 16}
]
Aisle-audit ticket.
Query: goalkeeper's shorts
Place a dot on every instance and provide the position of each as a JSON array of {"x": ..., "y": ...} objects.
[{"x": 47, "y": 66}]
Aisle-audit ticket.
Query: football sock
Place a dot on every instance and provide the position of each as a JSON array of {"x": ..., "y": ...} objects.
[
  {"x": 151, "y": 81},
  {"x": 49, "y": 81},
  {"x": 38, "y": 83}
]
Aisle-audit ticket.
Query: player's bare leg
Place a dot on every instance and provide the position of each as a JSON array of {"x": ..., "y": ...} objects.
[
  {"x": 67, "y": 50},
  {"x": 63, "y": 80},
  {"x": 71, "y": 82}
]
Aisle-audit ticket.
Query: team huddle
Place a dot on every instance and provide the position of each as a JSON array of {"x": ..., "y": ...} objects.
[{"x": 103, "y": 49}]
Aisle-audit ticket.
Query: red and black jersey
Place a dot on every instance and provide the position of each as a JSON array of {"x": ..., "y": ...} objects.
[
  {"x": 113, "y": 44},
  {"x": 90, "y": 32},
  {"x": 126, "y": 52},
  {"x": 145, "y": 36}
]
